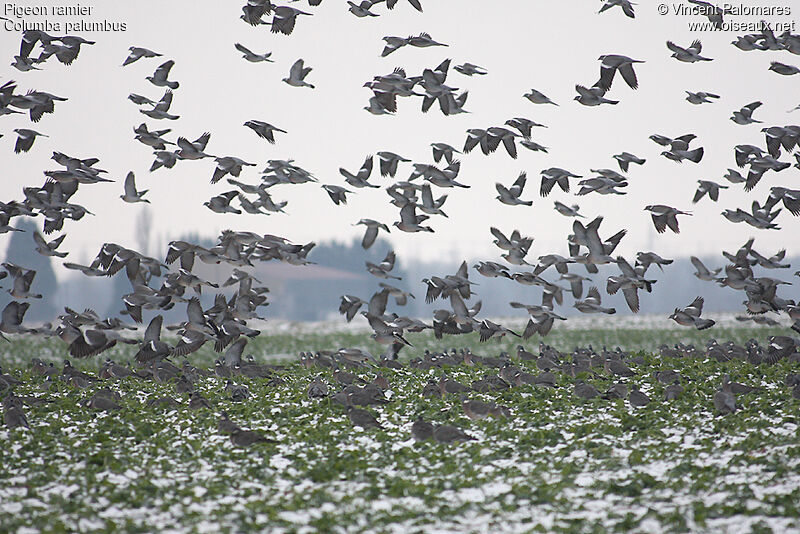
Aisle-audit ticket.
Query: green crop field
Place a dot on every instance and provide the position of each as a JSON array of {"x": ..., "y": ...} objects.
[{"x": 557, "y": 463}]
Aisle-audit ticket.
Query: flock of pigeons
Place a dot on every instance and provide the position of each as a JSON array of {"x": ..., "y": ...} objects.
[{"x": 160, "y": 285}]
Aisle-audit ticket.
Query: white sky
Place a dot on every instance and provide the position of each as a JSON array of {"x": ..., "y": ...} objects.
[{"x": 547, "y": 45}]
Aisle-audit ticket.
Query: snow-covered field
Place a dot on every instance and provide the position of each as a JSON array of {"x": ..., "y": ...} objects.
[{"x": 558, "y": 463}]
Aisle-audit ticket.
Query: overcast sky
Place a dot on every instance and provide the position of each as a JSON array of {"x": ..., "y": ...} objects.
[{"x": 547, "y": 45}]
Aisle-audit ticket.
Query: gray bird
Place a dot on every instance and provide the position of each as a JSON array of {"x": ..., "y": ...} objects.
[
  {"x": 49, "y": 248},
  {"x": 360, "y": 178},
  {"x": 593, "y": 96},
  {"x": 362, "y": 10},
  {"x": 687, "y": 55},
  {"x": 592, "y": 303},
  {"x": 665, "y": 216},
  {"x": 159, "y": 77},
  {"x": 362, "y": 418},
  {"x": 584, "y": 390},
  {"x": 193, "y": 149},
  {"x": 626, "y": 158},
  {"x": 136, "y": 53},
  {"x": 131, "y": 194},
  {"x": 637, "y": 398},
  {"x": 297, "y": 75},
  {"x": 161, "y": 108},
  {"x": 337, "y": 193},
  {"x": 264, "y": 129},
  {"x": 317, "y": 388},
  {"x": 449, "y": 434},
  {"x": 246, "y": 438},
  {"x": 673, "y": 391},
  {"x": 388, "y": 162},
  {"x": 252, "y": 57},
  {"x": 510, "y": 196},
  {"x": 690, "y": 316},
  {"x": 610, "y": 64},
  {"x": 538, "y": 98},
  {"x": 568, "y": 211},
  {"x": 724, "y": 399},
  {"x": 525, "y": 126},
  {"x": 700, "y": 97},
  {"x": 745, "y": 114},
  {"x": 553, "y": 176},
  {"x": 422, "y": 430},
  {"x": 784, "y": 69},
  {"x": 221, "y": 203},
  {"x": 625, "y": 5},
  {"x": 372, "y": 231},
  {"x": 443, "y": 150},
  {"x": 711, "y": 188},
  {"x": 468, "y": 69},
  {"x": 25, "y": 139}
]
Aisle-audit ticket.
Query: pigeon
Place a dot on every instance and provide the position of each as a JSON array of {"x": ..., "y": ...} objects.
[
  {"x": 610, "y": 64},
  {"x": 510, "y": 196},
  {"x": 724, "y": 399},
  {"x": 362, "y": 10},
  {"x": 537, "y": 97},
  {"x": 665, "y": 216},
  {"x": 782, "y": 68},
  {"x": 525, "y": 126},
  {"x": 137, "y": 53},
  {"x": 567, "y": 211},
  {"x": 25, "y": 139},
  {"x": 449, "y": 434},
  {"x": 584, "y": 390},
  {"x": 264, "y": 130},
  {"x": 422, "y": 430},
  {"x": 131, "y": 194},
  {"x": 362, "y": 418},
  {"x": 161, "y": 108},
  {"x": 193, "y": 149},
  {"x": 690, "y": 316},
  {"x": 553, "y": 176},
  {"x": 637, "y": 398},
  {"x": 593, "y": 96},
  {"x": 317, "y": 389},
  {"x": 414, "y": 3},
  {"x": 360, "y": 178},
  {"x": 159, "y": 77},
  {"x": 388, "y": 162},
  {"x": 711, "y": 188},
  {"x": 221, "y": 203},
  {"x": 591, "y": 304},
  {"x": 246, "y": 438},
  {"x": 228, "y": 165},
  {"x": 700, "y": 97},
  {"x": 372, "y": 231},
  {"x": 251, "y": 56},
  {"x": 423, "y": 40},
  {"x": 49, "y": 249},
  {"x": 443, "y": 150},
  {"x": 337, "y": 193},
  {"x": 625, "y": 5},
  {"x": 468, "y": 69},
  {"x": 297, "y": 75},
  {"x": 624, "y": 159},
  {"x": 284, "y": 18},
  {"x": 687, "y": 55},
  {"x": 745, "y": 114}
]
